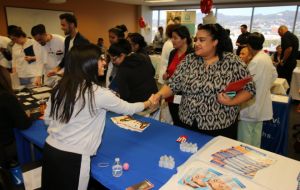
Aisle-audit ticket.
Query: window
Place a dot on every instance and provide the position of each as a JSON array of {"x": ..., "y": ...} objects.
[
  {"x": 163, "y": 17},
  {"x": 199, "y": 16},
  {"x": 267, "y": 20},
  {"x": 232, "y": 19},
  {"x": 297, "y": 26},
  {"x": 155, "y": 22}
]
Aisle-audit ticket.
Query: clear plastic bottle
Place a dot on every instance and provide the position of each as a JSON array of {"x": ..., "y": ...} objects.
[{"x": 117, "y": 169}]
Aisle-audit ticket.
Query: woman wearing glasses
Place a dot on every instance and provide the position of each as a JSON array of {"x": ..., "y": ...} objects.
[
  {"x": 76, "y": 115},
  {"x": 134, "y": 80},
  {"x": 114, "y": 34}
]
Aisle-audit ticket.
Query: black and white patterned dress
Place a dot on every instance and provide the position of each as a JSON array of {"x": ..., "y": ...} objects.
[{"x": 199, "y": 87}]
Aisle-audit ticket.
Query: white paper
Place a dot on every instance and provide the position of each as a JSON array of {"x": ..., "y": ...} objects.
[
  {"x": 41, "y": 89},
  {"x": 195, "y": 167},
  {"x": 26, "y": 103},
  {"x": 279, "y": 98},
  {"x": 32, "y": 178},
  {"x": 41, "y": 96},
  {"x": 282, "y": 175},
  {"x": 280, "y": 86},
  {"x": 177, "y": 99}
]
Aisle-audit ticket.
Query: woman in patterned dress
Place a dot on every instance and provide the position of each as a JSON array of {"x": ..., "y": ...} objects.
[{"x": 201, "y": 78}]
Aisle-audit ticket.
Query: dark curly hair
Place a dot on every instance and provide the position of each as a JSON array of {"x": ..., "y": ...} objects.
[{"x": 217, "y": 32}]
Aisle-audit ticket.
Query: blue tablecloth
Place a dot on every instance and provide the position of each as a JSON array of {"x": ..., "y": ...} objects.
[
  {"x": 275, "y": 131},
  {"x": 141, "y": 150}
]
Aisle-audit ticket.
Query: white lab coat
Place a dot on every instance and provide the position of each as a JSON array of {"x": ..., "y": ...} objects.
[{"x": 259, "y": 108}]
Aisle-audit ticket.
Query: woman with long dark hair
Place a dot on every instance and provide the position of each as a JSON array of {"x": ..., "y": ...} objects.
[
  {"x": 134, "y": 80},
  {"x": 12, "y": 115},
  {"x": 76, "y": 115},
  {"x": 115, "y": 34},
  {"x": 137, "y": 42},
  {"x": 182, "y": 44}
]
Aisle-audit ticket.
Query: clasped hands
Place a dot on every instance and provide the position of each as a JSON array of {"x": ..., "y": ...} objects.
[{"x": 154, "y": 101}]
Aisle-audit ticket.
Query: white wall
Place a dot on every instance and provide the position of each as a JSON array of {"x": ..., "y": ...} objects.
[{"x": 146, "y": 12}]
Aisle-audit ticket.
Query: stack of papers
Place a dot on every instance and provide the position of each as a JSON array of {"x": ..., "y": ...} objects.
[
  {"x": 41, "y": 96},
  {"x": 41, "y": 89},
  {"x": 128, "y": 122},
  {"x": 243, "y": 160},
  {"x": 235, "y": 165}
]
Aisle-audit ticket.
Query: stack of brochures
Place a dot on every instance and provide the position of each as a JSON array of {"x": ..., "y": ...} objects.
[
  {"x": 224, "y": 163},
  {"x": 128, "y": 122}
]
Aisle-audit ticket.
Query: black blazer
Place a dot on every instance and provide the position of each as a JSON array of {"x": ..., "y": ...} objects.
[{"x": 78, "y": 40}]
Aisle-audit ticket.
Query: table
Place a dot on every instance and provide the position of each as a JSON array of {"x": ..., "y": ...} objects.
[
  {"x": 280, "y": 86},
  {"x": 141, "y": 150},
  {"x": 280, "y": 173},
  {"x": 295, "y": 84},
  {"x": 275, "y": 131}
]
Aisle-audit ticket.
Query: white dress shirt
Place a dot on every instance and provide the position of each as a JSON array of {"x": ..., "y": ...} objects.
[
  {"x": 4, "y": 41},
  {"x": 23, "y": 68},
  {"x": 259, "y": 108}
]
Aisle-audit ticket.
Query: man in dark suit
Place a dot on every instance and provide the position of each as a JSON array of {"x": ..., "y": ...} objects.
[{"x": 68, "y": 24}]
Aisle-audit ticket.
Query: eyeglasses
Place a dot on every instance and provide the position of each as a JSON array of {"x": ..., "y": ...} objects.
[
  {"x": 102, "y": 57},
  {"x": 114, "y": 58}
]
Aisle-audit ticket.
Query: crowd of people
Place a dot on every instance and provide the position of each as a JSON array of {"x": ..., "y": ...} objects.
[{"x": 194, "y": 75}]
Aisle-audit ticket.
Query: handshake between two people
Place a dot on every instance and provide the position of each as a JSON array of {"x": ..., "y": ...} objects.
[{"x": 153, "y": 102}]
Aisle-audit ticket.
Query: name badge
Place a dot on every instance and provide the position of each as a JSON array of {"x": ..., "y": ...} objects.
[{"x": 177, "y": 99}]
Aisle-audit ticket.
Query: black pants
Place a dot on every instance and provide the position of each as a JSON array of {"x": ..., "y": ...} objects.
[
  {"x": 230, "y": 132},
  {"x": 61, "y": 170},
  {"x": 8, "y": 152},
  {"x": 286, "y": 71},
  {"x": 174, "y": 113}
]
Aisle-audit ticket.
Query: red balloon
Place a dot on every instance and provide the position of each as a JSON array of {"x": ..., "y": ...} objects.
[
  {"x": 142, "y": 22},
  {"x": 205, "y": 6}
]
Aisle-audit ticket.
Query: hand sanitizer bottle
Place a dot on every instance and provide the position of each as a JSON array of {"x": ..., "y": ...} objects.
[{"x": 117, "y": 169}]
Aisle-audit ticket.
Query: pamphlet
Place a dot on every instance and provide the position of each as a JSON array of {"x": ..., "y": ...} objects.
[
  {"x": 128, "y": 122},
  {"x": 243, "y": 160},
  {"x": 205, "y": 178},
  {"x": 144, "y": 185}
]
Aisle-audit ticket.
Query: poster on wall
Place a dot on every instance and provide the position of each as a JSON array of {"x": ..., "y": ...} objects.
[{"x": 187, "y": 18}]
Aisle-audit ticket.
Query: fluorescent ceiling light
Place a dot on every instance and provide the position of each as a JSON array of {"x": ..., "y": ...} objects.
[{"x": 158, "y": 1}]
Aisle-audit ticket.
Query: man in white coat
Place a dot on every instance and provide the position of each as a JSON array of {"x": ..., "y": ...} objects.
[
  {"x": 259, "y": 108},
  {"x": 52, "y": 51},
  {"x": 5, "y": 53}
]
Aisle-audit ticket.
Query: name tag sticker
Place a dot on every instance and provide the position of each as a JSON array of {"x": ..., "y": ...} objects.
[{"x": 177, "y": 99}]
